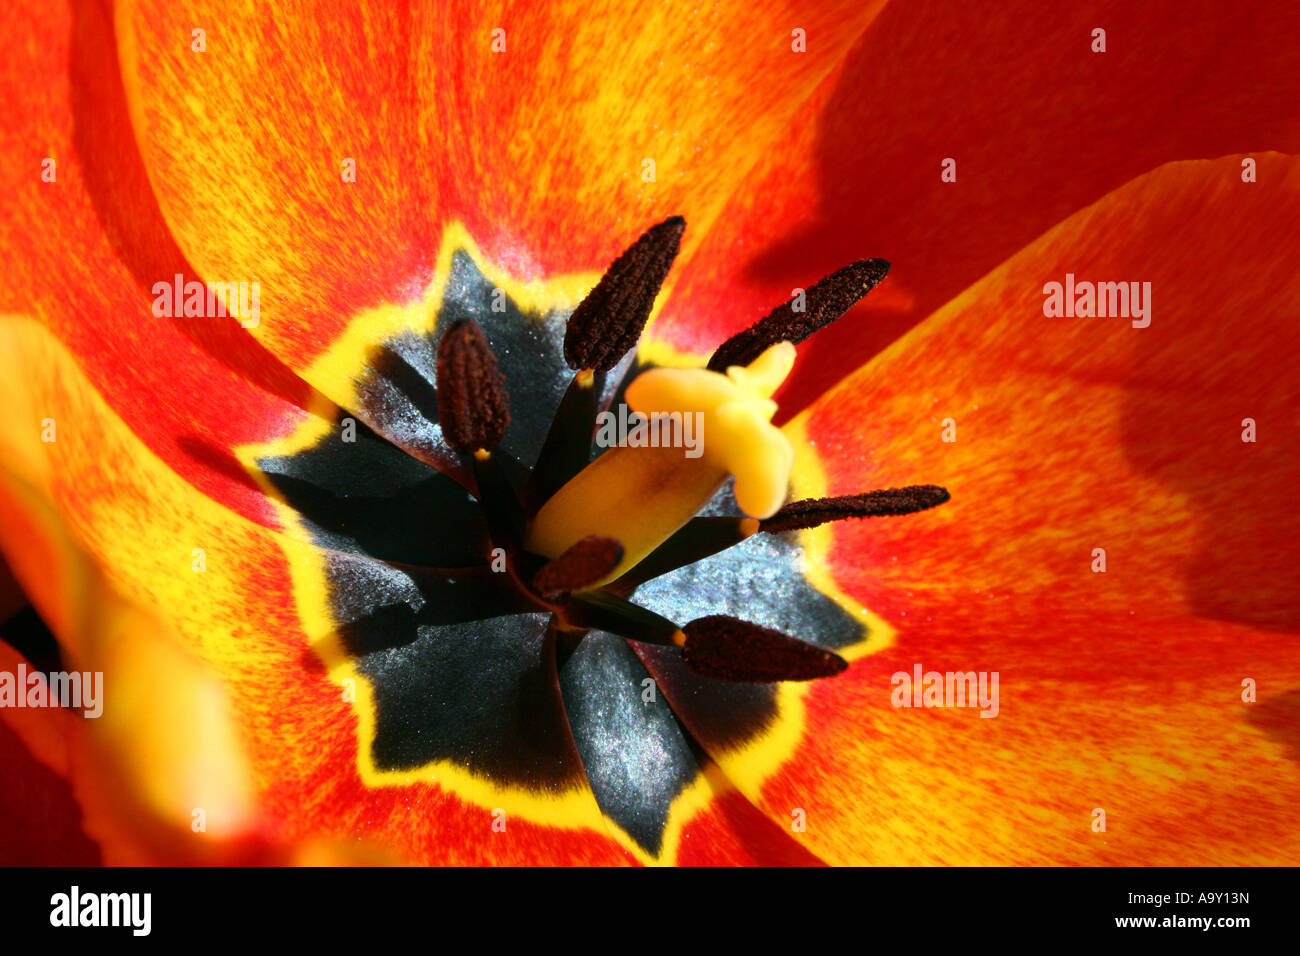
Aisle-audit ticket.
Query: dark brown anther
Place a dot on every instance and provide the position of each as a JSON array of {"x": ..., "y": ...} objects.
[
  {"x": 609, "y": 320},
  {"x": 581, "y": 566},
  {"x": 811, "y": 512},
  {"x": 822, "y": 304},
  {"x": 727, "y": 649},
  {"x": 473, "y": 407}
]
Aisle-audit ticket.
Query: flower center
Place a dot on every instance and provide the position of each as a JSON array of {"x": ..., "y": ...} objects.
[
  {"x": 610, "y": 659},
  {"x": 580, "y": 535},
  {"x": 640, "y": 494}
]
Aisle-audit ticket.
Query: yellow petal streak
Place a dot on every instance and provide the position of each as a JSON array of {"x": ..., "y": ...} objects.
[{"x": 641, "y": 495}]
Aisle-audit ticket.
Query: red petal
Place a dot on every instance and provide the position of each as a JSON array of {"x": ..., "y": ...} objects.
[
  {"x": 1119, "y": 690},
  {"x": 84, "y": 250},
  {"x": 1040, "y": 127}
]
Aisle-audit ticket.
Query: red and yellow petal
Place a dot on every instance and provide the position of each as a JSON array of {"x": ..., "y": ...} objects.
[
  {"x": 163, "y": 752},
  {"x": 1039, "y": 125},
  {"x": 84, "y": 248},
  {"x": 536, "y": 152},
  {"x": 1123, "y": 690},
  {"x": 239, "y": 618}
]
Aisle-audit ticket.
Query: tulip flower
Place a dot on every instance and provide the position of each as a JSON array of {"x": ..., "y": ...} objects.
[{"x": 311, "y": 314}]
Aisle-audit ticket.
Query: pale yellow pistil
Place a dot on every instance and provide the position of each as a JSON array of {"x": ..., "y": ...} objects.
[{"x": 641, "y": 495}]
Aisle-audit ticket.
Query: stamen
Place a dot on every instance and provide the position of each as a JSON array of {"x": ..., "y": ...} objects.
[
  {"x": 581, "y": 566},
  {"x": 871, "y": 504},
  {"x": 567, "y": 449},
  {"x": 609, "y": 320},
  {"x": 609, "y": 612},
  {"x": 696, "y": 540},
  {"x": 500, "y": 500},
  {"x": 823, "y": 304},
  {"x": 728, "y": 649},
  {"x": 473, "y": 406}
]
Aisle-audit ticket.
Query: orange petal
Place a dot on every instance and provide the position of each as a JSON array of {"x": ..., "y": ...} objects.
[
  {"x": 538, "y": 151},
  {"x": 84, "y": 249},
  {"x": 157, "y": 746},
  {"x": 1039, "y": 125},
  {"x": 1123, "y": 690}
]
